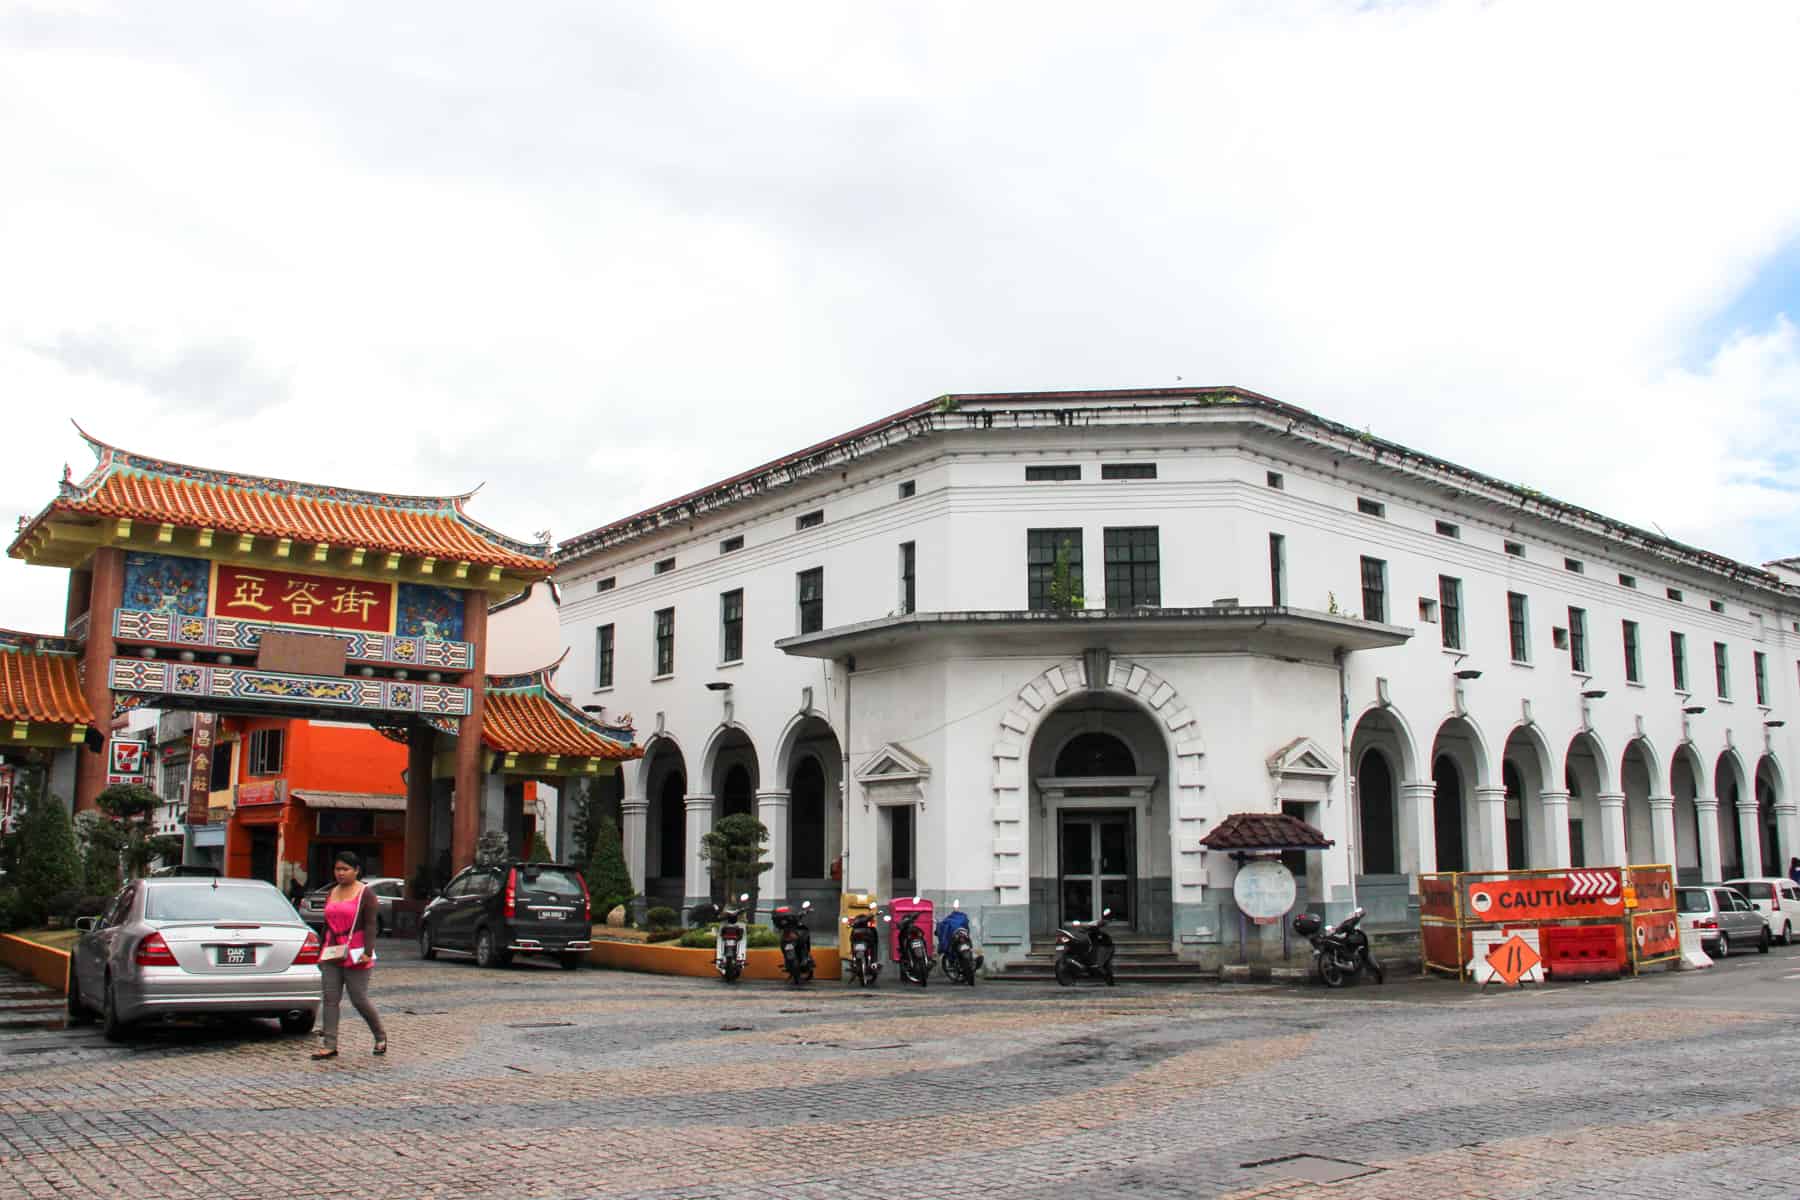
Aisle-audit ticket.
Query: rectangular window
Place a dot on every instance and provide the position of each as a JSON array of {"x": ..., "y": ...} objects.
[
  {"x": 1673, "y": 594},
  {"x": 1450, "y": 606},
  {"x": 1428, "y": 610},
  {"x": 1575, "y": 565},
  {"x": 1625, "y": 580},
  {"x": 1275, "y": 480},
  {"x": 265, "y": 752},
  {"x": 1717, "y": 606},
  {"x": 909, "y": 561},
  {"x": 663, "y": 567},
  {"x": 1631, "y": 652},
  {"x": 603, "y": 656},
  {"x": 607, "y": 584},
  {"x": 219, "y": 776},
  {"x": 1374, "y": 589},
  {"x": 1678, "y": 659},
  {"x": 1578, "y": 639},
  {"x": 1446, "y": 529},
  {"x": 1516, "y": 549},
  {"x": 1128, "y": 470},
  {"x": 809, "y": 588},
  {"x": 1042, "y": 546},
  {"x": 1518, "y": 627},
  {"x": 1058, "y": 474},
  {"x": 732, "y": 544},
  {"x": 731, "y": 626},
  {"x": 1759, "y": 665},
  {"x": 664, "y": 657},
  {"x": 1133, "y": 567},
  {"x": 811, "y": 520},
  {"x": 1721, "y": 672},
  {"x": 908, "y": 489},
  {"x": 1277, "y": 570},
  {"x": 1370, "y": 508}
]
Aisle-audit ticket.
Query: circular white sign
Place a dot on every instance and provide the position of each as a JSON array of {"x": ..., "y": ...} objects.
[{"x": 1264, "y": 890}]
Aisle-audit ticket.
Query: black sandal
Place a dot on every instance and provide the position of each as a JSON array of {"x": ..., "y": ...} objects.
[
  {"x": 381, "y": 1048},
  {"x": 322, "y": 1054}
]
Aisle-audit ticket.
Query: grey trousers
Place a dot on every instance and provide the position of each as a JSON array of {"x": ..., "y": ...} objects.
[{"x": 336, "y": 979}]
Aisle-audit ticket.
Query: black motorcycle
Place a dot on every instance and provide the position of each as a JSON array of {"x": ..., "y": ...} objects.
[
  {"x": 915, "y": 963},
  {"x": 1340, "y": 952},
  {"x": 796, "y": 942},
  {"x": 731, "y": 944},
  {"x": 865, "y": 948},
  {"x": 956, "y": 953},
  {"x": 1085, "y": 951}
]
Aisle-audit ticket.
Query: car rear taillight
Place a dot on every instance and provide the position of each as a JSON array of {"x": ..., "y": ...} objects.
[
  {"x": 309, "y": 951},
  {"x": 1706, "y": 923},
  {"x": 587, "y": 907},
  {"x": 512, "y": 894},
  {"x": 154, "y": 952}
]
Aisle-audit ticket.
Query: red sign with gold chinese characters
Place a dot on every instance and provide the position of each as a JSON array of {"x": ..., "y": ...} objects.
[{"x": 290, "y": 598}]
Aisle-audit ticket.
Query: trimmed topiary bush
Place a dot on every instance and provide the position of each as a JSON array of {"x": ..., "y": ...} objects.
[
  {"x": 662, "y": 917},
  {"x": 49, "y": 863}
]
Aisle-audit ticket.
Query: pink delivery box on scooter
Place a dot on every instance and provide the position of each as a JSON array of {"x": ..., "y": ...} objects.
[{"x": 898, "y": 908}]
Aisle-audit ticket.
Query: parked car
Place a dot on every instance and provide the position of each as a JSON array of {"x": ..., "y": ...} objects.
[
  {"x": 386, "y": 888},
  {"x": 498, "y": 911},
  {"x": 1777, "y": 899},
  {"x": 176, "y": 946},
  {"x": 1724, "y": 918}
]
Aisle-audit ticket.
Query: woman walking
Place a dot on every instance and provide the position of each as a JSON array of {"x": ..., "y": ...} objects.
[{"x": 348, "y": 956}]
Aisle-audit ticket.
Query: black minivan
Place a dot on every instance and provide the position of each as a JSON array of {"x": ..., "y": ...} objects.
[{"x": 497, "y": 911}]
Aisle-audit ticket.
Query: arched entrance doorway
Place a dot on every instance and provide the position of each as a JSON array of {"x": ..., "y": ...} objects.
[
  {"x": 1728, "y": 788},
  {"x": 1100, "y": 767},
  {"x": 1768, "y": 787},
  {"x": 1637, "y": 775},
  {"x": 1585, "y": 774},
  {"x": 807, "y": 851},
  {"x": 1684, "y": 784},
  {"x": 665, "y": 827}
]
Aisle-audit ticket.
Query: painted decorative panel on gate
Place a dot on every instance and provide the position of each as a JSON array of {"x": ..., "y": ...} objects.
[
  {"x": 201, "y": 681},
  {"x": 166, "y": 583}
]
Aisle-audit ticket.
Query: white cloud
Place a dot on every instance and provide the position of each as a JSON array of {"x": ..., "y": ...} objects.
[{"x": 597, "y": 257}]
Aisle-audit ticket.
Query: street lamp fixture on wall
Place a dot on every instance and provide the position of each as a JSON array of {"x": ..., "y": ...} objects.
[{"x": 1468, "y": 673}]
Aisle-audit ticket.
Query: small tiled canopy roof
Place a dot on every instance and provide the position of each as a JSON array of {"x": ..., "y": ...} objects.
[
  {"x": 524, "y": 714},
  {"x": 130, "y": 486},
  {"x": 40, "y": 680},
  {"x": 1264, "y": 831}
]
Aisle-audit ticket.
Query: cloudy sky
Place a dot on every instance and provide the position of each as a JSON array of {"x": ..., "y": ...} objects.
[{"x": 594, "y": 254}]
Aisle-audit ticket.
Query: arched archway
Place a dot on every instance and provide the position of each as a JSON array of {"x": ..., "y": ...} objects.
[
  {"x": 1687, "y": 783},
  {"x": 1585, "y": 775},
  {"x": 1768, "y": 790},
  {"x": 809, "y": 768},
  {"x": 1637, "y": 780},
  {"x": 1729, "y": 790},
  {"x": 1377, "y": 810},
  {"x": 1387, "y": 820},
  {"x": 1459, "y": 765},
  {"x": 661, "y": 785},
  {"x": 1533, "y": 838}
]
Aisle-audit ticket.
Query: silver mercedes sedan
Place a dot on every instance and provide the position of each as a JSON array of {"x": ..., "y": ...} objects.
[{"x": 176, "y": 946}]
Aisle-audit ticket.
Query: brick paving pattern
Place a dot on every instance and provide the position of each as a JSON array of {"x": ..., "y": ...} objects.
[{"x": 538, "y": 1084}]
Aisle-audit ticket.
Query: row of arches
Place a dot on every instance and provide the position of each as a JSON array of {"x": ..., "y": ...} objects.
[{"x": 1534, "y": 804}]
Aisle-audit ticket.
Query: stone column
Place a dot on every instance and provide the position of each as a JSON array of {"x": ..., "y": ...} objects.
[
  {"x": 1555, "y": 809},
  {"x": 1706, "y": 813},
  {"x": 105, "y": 588},
  {"x": 634, "y": 820},
  {"x": 772, "y": 809},
  {"x": 1490, "y": 829},
  {"x": 1418, "y": 831},
  {"x": 699, "y": 824},
  {"x": 1612, "y": 829},
  {"x": 421, "y": 740},
  {"x": 1750, "y": 834},
  {"x": 466, "y": 821},
  {"x": 1662, "y": 830}
]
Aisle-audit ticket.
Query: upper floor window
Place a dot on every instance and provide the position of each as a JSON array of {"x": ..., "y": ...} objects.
[
  {"x": 265, "y": 752},
  {"x": 1128, "y": 470},
  {"x": 607, "y": 584},
  {"x": 1275, "y": 480},
  {"x": 731, "y": 626},
  {"x": 809, "y": 587},
  {"x": 1632, "y": 674},
  {"x": 1717, "y": 606},
  {"x": 1450, "y": 610},
  {"x": 1374, "y": 589},
  {"x": 603, "y": 656},
  {"x": 1759, "y": 665},
  {"x": 1578, "y": 639},
  {"x": 664, "y": 635},
  {"x": 731, "y": 544},
  {"x": 1518, "y": 627},
  {"x": 1446, "y": 529},
  {"x": 1673, "y": 594},
  {"x": 1516, "y": 549},
  {"x": 909, "y": 561},
  {"x": 1625, "y": 580},
  {"x": 1721, "y": 671},
  {"x": 1277, "y": 570},
  {"x": 908, "y": 489},
  {"x": 1061, "y": 472},
  {"x": 663, "y": 567},
  {"x": 1370, "y": 508},
  {"x": 811, "y": 520},
  {"x": 1678, "y": 659},
  {"x": 1133, "y": 567},
  {"x": 1053, "y": 569},
  {"x": 1575, "y": 565}
]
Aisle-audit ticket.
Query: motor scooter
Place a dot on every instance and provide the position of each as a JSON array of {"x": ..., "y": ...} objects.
[
  {"x": 731, "y": 944},
  {"x": 796, "y": 942},
  {"x": 914, "y": 957},
  {"x": 956, "y": 947},
  {"x": 865, "y": 946},
  {"x": 1340, "y": 952},
  {"x": 1085, "y": 951}
]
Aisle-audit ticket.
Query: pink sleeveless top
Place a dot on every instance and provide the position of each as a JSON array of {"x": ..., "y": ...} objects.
[{"x": 340, "y": 926}]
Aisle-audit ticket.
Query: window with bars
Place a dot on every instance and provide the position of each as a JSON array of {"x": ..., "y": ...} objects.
[
  {"x": 1632, "y": 673},
  {"x": 603, "y": 656},
  {"x": 731, "y": 626},
  {"x": 1128, "y": 470},
  {"x": 1575, "y": 565},
  {"x": 1277, "y": 569},
  {"x": 265, "y": 752},
  {"x": 811, "y": 520},
  {"x": 1578, "y": 639},
  {"x": 663, "y": 567},
  {"x": 1374, "y": 589},
  {"x": 1516, "y": 549},
  {"x": 909, "y": 561},
  {"x": 1518, "y": 627},
  {"x": 908, "y": 489},
  {"x": 1450, "y": 611},
  {"x": 1041, "y": 549},
  {"x": 1275, "y": 479},
  {"x": 607, "y": 584},
  {"x": 1678, "y": 659},
  {"x": 664, "y": 656},
  {"x": 1370, "y": 508},
  {"x": 1721, "y": 671},
  {"x": 732, "y": 544},
  {"x": 1446, "y": 529},
  {"x": 809, "y": 588},
  {"x": 1759, "y": 666},
  {"x": 1055, "y": 474},
  {"x": 1133, "y": 567}
]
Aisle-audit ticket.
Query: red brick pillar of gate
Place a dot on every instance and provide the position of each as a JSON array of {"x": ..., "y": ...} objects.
[
  {"x": 106, "y": 587},
  {"x": 465, "y": 825}
]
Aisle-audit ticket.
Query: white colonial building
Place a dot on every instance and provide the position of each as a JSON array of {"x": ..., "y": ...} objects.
[{"x": 1028, "y": 650}]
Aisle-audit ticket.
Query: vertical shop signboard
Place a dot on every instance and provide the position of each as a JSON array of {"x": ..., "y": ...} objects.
[{"x": 199, "y": 780}]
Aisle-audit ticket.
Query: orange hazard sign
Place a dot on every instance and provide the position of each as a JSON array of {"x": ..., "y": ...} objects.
[
  {"x": 1512, "y": 958},
  {"x": 1544, "y": 898}
]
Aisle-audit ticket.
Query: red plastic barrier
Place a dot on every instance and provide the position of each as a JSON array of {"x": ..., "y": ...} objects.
[{"x": 1582, "y": 951}]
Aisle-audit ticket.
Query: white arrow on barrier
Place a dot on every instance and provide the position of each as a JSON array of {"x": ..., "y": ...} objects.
[{"x": 1592, "y": 883}]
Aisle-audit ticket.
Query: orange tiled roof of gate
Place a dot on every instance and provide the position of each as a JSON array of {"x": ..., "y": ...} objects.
[
  {"x": 126, "y": 485},
  {"x": 38, "y": 684},
  {"x": 528, "y": 722}
]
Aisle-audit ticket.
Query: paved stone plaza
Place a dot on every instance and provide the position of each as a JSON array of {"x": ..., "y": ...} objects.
[{"x": 532, "y": 1082}]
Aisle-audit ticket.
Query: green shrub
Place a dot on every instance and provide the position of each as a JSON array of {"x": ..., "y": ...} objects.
[
  {"x": 608, "y": 878},
  {"x": 662, "y": 917},
  {"x": 664, "y": 935},
  {"x": 9, "y": 910},
  {"x": 764, "y": 938},
  {"x": 49, "y": 863},
  {"x": 705, "y": 937}
]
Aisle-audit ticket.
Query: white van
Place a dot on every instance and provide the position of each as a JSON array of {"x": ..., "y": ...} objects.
[{"x": 1777, "y": 899}]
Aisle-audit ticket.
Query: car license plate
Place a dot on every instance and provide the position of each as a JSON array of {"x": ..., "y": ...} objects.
[
  {"x": 553, "y": 914},
  {"x": 236, "y": 956}
]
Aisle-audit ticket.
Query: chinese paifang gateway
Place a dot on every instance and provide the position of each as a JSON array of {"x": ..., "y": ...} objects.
[{"x": 229, "y": 593}]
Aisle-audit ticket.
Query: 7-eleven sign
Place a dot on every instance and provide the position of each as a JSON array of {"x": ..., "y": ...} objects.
[{"x": 127, "y": 761}]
